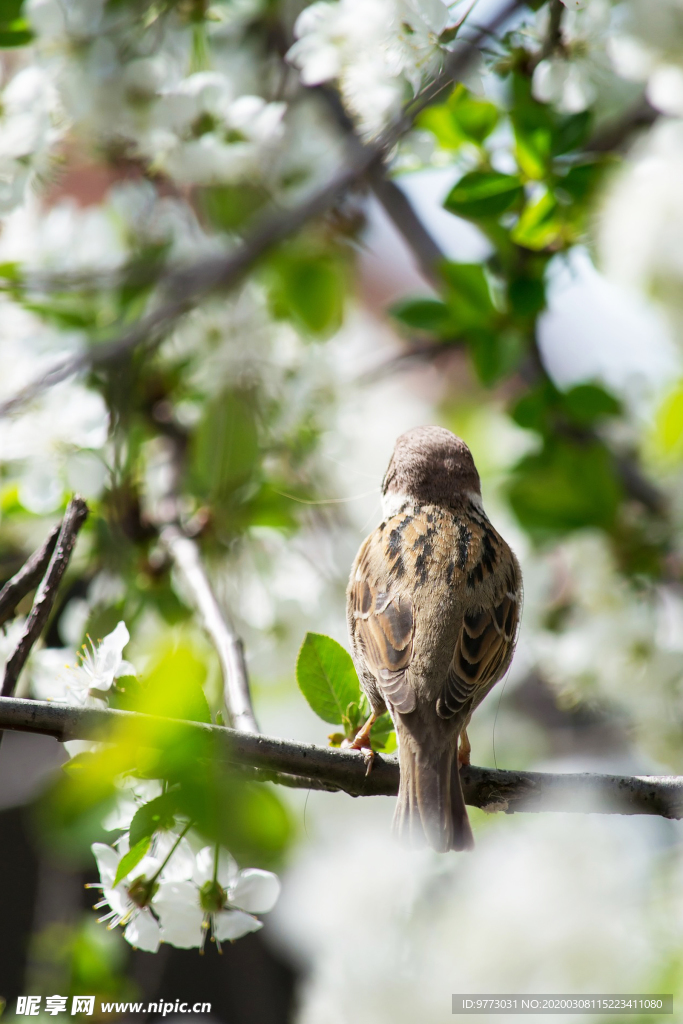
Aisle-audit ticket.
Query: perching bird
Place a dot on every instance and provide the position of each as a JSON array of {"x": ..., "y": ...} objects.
[{"x": 433, "y": 607}]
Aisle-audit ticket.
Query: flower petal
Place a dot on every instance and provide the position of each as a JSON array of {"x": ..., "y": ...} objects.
[
  {"x": 233, "y": 924},
  {"x": 180, "y": 867},
  {"x": 143, "y": 932},
  {"x": 177, "y": 904},
  {"x": 204, "y": 865},
  {"x": 255, "y": 890},
  {"x": 107, "y": 862}
]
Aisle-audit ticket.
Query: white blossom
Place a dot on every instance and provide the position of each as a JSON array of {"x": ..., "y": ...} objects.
[
  {"x": 379, "y": 51},
  {"x": 133, "y": 900},
  {"x": 642, "y": 219},
  {"x": 570, "y": 79},
  {"x": 647, "y": 48},
  {"x": 29, "y": 128},
  {"x": 87, "y": 683},
  {"x": 219, "y": 899}
]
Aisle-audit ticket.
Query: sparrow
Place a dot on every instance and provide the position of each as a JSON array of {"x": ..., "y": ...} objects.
[{"x": 433, "y": 607}]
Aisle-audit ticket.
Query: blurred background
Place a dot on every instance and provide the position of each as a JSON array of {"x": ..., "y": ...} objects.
[{"x": 513, "y": 271}]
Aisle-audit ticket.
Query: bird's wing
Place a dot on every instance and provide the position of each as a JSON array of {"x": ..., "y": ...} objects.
[
  {"x": 381, "y": 617},
  {"x": 488, "y": 634}
]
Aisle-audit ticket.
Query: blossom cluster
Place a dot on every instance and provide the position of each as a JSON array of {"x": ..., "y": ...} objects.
[
  {"x": 180, "y": 892},
  {"x": 171, "y": 888}
]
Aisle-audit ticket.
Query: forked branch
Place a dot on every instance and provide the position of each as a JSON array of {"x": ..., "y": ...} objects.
[{"x": 74, "y": 517}]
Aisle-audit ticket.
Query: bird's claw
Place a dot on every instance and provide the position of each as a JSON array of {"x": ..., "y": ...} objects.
[{"x": 361, "y": 744}]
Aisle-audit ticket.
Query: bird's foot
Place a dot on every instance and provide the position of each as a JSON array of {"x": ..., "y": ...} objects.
[
  {"x": 464, "y": 750},
  {"x": 362, "y": 743}
]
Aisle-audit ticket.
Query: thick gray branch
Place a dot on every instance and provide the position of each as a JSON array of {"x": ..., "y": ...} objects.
[
  {"x": 323, "y": 767},
  {"x": 185, "y": 554},
  {"x": 74, "y": 517}
]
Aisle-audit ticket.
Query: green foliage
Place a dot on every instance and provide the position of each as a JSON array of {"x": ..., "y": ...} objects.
[
  {"x": 173, "y": 686},
  {"x": 327, "y": 678},
  {"x": 308, "y": 286},
  {"x": 463, "y": 118},
  {"x": 484, "y": 195},
  {"x": 159, "y": 815},
  {"x": 14, "y": 28},
  {"x": 80, "y": 957},
  {"x": 229, "y": 206},
  {"x": 566, "y": 486},
  {"x": 545, "y": 408},
  {"x": 224, "y": 449},
  {"x": 426, "y": 315},
  {"x": 131, "y": 859}
]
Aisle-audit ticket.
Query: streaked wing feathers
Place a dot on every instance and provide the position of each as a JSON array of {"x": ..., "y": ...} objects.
[
  {"x": 384, "y": 626},
  {"x": 483, "y": 651}
]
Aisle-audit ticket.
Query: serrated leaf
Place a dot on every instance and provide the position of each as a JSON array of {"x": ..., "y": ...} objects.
[
  {"x": 327, "y": 677},
  {"x": 131, "y": 859},
  {"x": 155, "y": 816}
]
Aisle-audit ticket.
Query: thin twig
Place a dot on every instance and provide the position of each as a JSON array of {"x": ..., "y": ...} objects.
[
  {"x": 28, "y": 577},
  {"x": 488, "y": 788},
  {"x": 74, "y": 517},
  {"x": 184, "y": 288},
  {"x": 185, "y": 554},
  {"x": 553, "y": 37}
]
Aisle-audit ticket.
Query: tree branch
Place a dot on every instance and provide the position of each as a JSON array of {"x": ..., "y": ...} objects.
[
  {"x": 324, "y": 767},
  {"x": 74, "y": 517},
  {"x": 28, "y": 577},
  {"x": 230, "y": 650},
  {"x": 185, "y": 287}
]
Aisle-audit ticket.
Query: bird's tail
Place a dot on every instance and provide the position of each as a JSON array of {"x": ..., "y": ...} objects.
[{"x": 431, "y": 805}]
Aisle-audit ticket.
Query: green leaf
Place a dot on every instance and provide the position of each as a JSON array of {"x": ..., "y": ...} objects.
[
  {"x": 587, "y": 403},
  {"x": 463, "y": 118},
  {"x": 582, "y": 180},
  {"x": 495, "y": 353},
  {"x": 229, "y": 206},
  {"x": 308, "y": 288},
  {"x": 526, "y": 295},
  {"x": 533, "y": 125},
  {"x": 248, "y": 819},
  {"x": 15, "y": 30},
  {"x": 482, "y": 195},
  {"x": 224, "y": 449},
  {"x": 172, "y": 686},
  {"x": 156, "y": 816},
  {"x": 326, "y": 677},
  {"x": 565, "y": 487},
  {"x": 571, "y": 131},
  {"x": 467, "y": 295},
  {"x": 539, "y": 224},
  {"x": 534, "y": 409},
  {"x": 425, "y": 315},
  {"x": 131, "y": 859},
  {"x": 668, "y": 427}
]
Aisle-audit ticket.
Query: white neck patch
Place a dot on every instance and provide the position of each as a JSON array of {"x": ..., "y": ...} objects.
[{"x": 393, "y": 503}]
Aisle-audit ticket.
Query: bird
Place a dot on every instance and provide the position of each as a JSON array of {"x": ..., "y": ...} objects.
[{"x": 433, "y": 607}]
